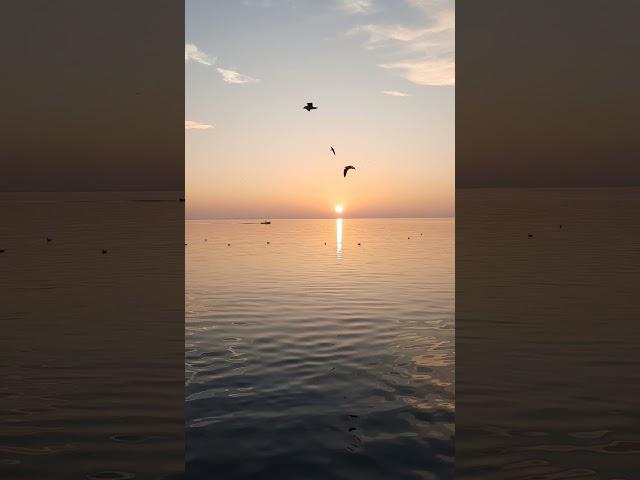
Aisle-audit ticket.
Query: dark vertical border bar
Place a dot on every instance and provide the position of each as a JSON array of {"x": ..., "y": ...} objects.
[
  {"x": 547, "y": 203},
  {"x": 91, "y": 239}
]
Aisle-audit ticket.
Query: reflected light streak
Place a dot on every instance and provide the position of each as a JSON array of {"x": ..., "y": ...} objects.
[{"x": 339, "y": 237}]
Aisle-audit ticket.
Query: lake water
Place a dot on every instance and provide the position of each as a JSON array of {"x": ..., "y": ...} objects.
[
  {"x": 320, "y": 349},
  {"x": 91, "y": 349},
  {"x": 547, "y": 334}
]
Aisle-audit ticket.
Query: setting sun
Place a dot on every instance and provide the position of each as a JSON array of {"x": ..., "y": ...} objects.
[{"x": 339, "y": 208}]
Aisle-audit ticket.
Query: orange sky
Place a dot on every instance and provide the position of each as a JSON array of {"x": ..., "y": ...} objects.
[{"x": 263, "y": 156}]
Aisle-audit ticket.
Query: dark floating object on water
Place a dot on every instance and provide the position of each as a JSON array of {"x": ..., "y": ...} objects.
[
  {"x": 181, "y": 199},
  {"x": 2, "y": 250},
  {"x": 352, "y": 429},
  {"x": 560, "y": 226},
  {"x": 354, "y": 416},
  {"x": 49, "y": 239},
  {"x": 309, "y": 106},
  {"x": 131, "y": 438},
  {"x": 333, "y": 150},
  {"x": 347, "y": 168},
  {"x": 110, "y": 475},
  {"x": 530, "y": 235},
  {"x": 266, "y": 222},
  {"x": 104, "y": 251}
]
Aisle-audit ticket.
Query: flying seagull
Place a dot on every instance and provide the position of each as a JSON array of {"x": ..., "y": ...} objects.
[
  {"x": 347, "y": 168},
  {"x": 333, "y": 150},
  {"x": 309, "y": 106}
]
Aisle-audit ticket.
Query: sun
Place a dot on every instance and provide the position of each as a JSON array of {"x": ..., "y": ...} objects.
[{"x": 339, "y": 209}]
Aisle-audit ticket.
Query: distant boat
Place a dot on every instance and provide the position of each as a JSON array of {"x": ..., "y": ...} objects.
[{"x": 266, "y": 222}]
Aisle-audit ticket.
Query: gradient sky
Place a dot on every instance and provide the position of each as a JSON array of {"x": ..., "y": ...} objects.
[
  {"x": 92, "y": 95},
  {"x": 548, "y": 93},
  {"x": 251, "y": 65}
]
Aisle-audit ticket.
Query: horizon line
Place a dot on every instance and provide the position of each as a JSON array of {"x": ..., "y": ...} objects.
[{"x": 322, "y": 218}]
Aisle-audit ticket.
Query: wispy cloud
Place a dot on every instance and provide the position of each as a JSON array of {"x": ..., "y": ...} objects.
[
  {"x": 356, "y": 6},
  {"x": 423, "y": 54},
  {"x": 394, "y": 93},
  {"x": 437, "y": 73},
  {"x": 193, "y": 53},
  {"x": 379, "y": 36},
  {"x": 231, "y": 76},
  {"x": 191, "y": 125}
]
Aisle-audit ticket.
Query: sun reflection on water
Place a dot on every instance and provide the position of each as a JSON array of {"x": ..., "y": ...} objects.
[{"x": 339, "y": 237}]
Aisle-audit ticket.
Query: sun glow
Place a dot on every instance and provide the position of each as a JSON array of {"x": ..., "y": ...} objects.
[{"x": 339, "y": 209}]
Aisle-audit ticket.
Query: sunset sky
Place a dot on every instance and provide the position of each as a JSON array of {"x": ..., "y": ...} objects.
[{"x": 382, "y": 76}]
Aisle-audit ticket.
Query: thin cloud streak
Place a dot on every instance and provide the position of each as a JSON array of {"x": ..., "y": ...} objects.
[
  {"x": 424, "y": 55},
  {"x": 193, "y": 53},
  {"x": 191, "y": 125},
  {"x": 356, "y": 6},
  {"x": 394, "y": 93},
  {"x": 435, "y": 73},
  {"x": 231, "y": 76}
]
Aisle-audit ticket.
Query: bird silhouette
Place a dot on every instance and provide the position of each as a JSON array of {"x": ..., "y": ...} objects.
[
  {"x": 309, "y": 106},
  {"x": 347, "y": 168},
  {"x": 333, "y": 150}
]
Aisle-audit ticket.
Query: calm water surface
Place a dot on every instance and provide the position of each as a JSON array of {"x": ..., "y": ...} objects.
[
  {"x": 91, "y": 348},
  {"x": 547, "y": 334},
  {"x": 311, "y": 356}
]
